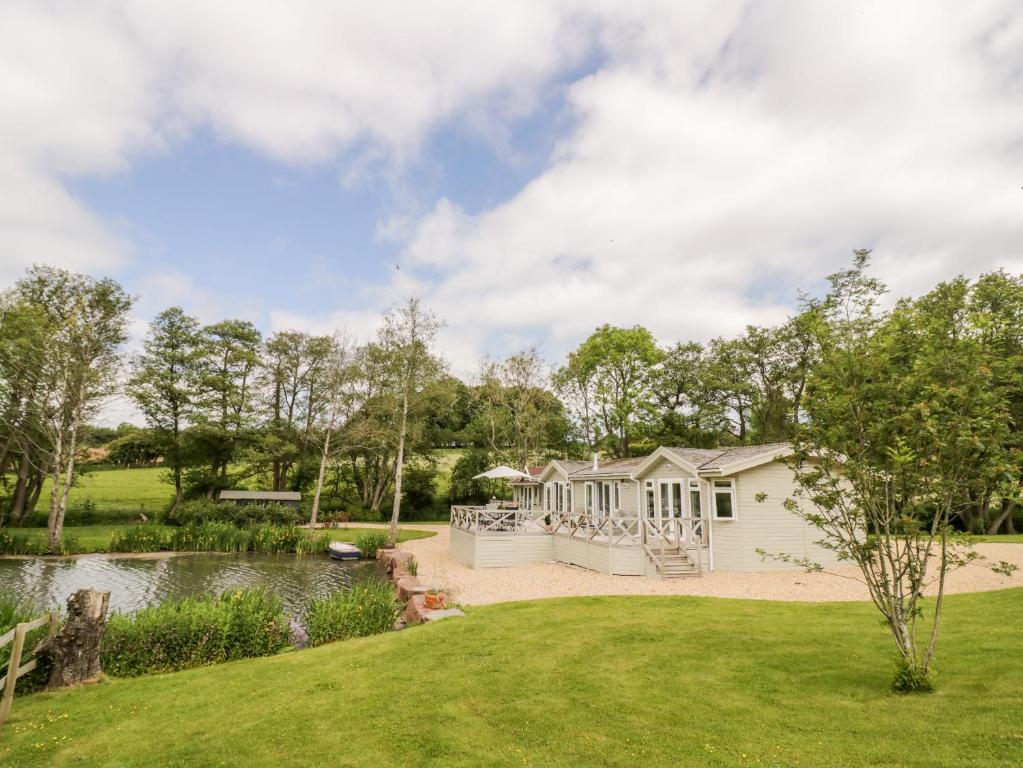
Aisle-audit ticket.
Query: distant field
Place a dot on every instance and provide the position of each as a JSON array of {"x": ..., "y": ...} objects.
[{"x": 118, "y": 490}]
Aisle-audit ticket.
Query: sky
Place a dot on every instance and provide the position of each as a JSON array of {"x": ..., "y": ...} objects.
[{"x": 531, "y": 170}]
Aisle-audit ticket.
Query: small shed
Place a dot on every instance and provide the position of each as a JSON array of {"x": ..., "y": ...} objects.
[{"x": 285, "y": 498}]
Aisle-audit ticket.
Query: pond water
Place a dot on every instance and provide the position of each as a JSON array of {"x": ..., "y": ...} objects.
[{"x": 137, "y": 582}]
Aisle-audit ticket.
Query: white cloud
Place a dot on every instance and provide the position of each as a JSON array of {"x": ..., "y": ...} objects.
[
  {"x": 722, "y": 161},
  {"x": 723, "y": 154}
]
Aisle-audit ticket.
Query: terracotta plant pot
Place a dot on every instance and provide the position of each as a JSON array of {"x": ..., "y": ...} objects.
[{"x": 433, "y": 600}]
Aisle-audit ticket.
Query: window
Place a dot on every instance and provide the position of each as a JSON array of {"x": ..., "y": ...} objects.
[
  {"x": 559, "y": 496},
  {"x": 695, "y": 502},
  {"x": 618, "y": 496},
  {"x": 547, "y": 487},
  {"x": 589, "y": 498},
  {"x": 724, "y": 500},
  {"x": 651, "y": 499},
  {"x": 568, "y": 497}
]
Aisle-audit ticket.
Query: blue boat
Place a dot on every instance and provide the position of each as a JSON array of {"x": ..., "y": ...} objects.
[{"x": 342, "y": 550}]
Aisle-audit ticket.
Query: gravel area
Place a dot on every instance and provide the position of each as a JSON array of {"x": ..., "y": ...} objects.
[{"x": 541, "y": 580}]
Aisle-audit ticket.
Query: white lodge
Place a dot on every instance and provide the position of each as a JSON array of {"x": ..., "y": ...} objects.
[{"x": 677, "y": 512}]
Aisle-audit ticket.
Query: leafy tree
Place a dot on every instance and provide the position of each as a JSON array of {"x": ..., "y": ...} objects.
[
  {"x": 225, "y": 390},
  {"x": 902, "y": 414},
  {"x": 686, "y": 409},
  {"x": 163, "y": 385},
  {"x": 85, "y": 322},
  {"x": 406, "y": 341},
  {"x": 617, "y": 366}
]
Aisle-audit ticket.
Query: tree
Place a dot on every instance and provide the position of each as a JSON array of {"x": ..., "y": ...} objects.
[
  {"x": 225, "y": 389},
  {"x": 86, "y": 323},
  {"x": 163, "y": 385},
  {"x": 406, "y": 341},
  {"x": 617, "y": 364},
  {"x": 338, "y": 384},
  {"x": 902, "y": 414},
  {"x": 685, "y": 407}
]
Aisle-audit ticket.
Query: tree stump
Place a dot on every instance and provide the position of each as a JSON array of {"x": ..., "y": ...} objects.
[{"x": 74, "y": 651}]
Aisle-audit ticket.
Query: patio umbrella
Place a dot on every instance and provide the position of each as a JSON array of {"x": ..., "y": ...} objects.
[{"x": 502, "y": 473}]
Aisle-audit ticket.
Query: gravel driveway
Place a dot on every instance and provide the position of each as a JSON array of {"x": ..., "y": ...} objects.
[{"x": 540, "y": 580}]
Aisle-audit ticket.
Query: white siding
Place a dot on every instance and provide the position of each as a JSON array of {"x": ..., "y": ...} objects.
[
  {"x": 462, "y": 546},
  {"x": 500, "y": 550},
  {"x": 766, "y": 525}
]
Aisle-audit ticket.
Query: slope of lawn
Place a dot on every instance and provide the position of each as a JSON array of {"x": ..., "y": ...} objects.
[
  {"x": 121, "y": 491},
  {"x": 97, "y": 538},
  {"x": 575, "y": 682}
]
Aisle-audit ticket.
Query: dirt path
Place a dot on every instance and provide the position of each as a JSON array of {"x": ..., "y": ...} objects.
[{"x": 540, "y": 580}]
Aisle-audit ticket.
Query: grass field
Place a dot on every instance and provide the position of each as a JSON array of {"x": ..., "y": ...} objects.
[
  {"x": 118, "y": 490},
  {"x": 579, "y": 682},
  {"x": 96, "y": 538}
]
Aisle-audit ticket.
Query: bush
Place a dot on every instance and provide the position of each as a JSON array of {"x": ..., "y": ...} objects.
[
  {"x": 239, "y": 515},
  {"x": 141, "y": 538},
  {"x": 195, "y": 632},
  {"x": 370, "y": 541},
  {"x": 14, "y": 611},
  {"x": 24, "y": 543},
  {"x": 368, "y": 608},
  {"x": 909, "y": 679}
]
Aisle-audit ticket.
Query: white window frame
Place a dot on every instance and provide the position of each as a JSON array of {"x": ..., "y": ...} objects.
[
  {"x": 729, "y": 491},
  {"x": 588, "y": 498},
  {"x": 650, "y": 489}
]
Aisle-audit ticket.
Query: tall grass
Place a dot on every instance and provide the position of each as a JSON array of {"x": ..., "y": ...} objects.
[
  {"x": 195, "y": 632},
  {"x": 22, "y": 542},
  {"x": 369, "y": 542},
  {"x": 368, "y": 608},
  {"x": 264, "y": 538},
  {"x": 13, "y": 611}
]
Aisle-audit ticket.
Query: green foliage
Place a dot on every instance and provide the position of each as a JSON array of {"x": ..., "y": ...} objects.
[
  {"x": 205, "y": 510},
  {"x": 464, "y": 488},
  {"x": 369, "y": 542},
  {"x": 910, "y": 678},
  {"x": 15, "y": 541},
  {"x": 140, "y": 538},
  {"x": 13, "y": 611},
  {"x": 368, "y": 608},
  {"x": 195, "y": 632}
]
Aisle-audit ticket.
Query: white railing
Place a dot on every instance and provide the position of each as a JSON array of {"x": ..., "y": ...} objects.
[
  {"x": 494, "y": 520},
  {"x": 668, "y": 536}
]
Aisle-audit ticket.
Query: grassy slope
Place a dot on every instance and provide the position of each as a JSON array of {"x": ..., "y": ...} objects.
[
  {"x": 133, "y": 490},
  {"x": 96, "y": 538},
  {"x": 581, "y": 682}
]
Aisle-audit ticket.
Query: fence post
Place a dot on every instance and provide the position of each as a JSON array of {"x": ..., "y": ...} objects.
[{"x": 12, "y": 673}]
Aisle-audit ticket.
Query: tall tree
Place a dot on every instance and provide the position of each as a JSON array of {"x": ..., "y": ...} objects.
[
  {"x": 406, "y": 340},
  {"x": 162, "y": 385},
  {"x": 902, "y": 414},
  {"x": 225, "y": 413},
  {"x": 620, "y": 363},
  {"x": 86, "y": 320}
]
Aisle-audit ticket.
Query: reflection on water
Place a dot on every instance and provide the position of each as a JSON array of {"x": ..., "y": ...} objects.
[{"x": 137, "y": 582}]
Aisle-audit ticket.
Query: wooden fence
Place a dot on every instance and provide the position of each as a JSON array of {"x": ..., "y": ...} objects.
[{"x": 16, "y": 666}]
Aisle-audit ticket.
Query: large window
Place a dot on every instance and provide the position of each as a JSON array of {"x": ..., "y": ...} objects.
[
  {"x": 651, "y": 499},
  {"x": 724, "y": 500},
  {"x": 695, "y": 502},
  {"x": 589, "y": 498}
]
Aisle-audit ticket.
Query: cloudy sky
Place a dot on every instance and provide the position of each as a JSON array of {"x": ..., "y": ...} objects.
[{"x": 531, "y": 169}]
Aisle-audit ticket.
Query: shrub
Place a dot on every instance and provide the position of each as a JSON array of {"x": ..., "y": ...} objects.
[
  {"x": 368, "y": 608},
  {"x": 274, "y": 539},
  {"x": 141, "y": 538},
  {"x": 370, "y": 541},
  {"x": 312, "y": 545},
  {"x": 240, "y": 515},
  {"x": 24, "y": 543},
  {"x": 210, "y": 537},
  {"x": 14, "y": 611},
  {"x": 909, "y": 679},
  {"x": 195, "y": 632}
]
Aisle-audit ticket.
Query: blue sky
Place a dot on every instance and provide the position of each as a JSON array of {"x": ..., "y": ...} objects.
[{"x": 536, "y": 171}]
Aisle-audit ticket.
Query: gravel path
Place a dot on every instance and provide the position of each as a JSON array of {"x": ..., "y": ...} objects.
[{"x": 540, "y": 580}]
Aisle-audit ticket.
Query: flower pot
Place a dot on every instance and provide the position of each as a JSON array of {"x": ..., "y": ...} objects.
[{"x": 433, "y": 600}]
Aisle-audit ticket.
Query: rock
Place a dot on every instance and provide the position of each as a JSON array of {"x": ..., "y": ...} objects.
[
  {"x": 408, "y": 586},
  {"x": 416, "y": 612},
  {"x": 443, "y": 613}
]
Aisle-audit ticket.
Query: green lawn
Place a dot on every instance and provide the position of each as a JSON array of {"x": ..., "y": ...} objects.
[
  {"x": 1005, "y": 538},
  {"x": 118, "y": 490},
  {"x": 576, "y": 682},
  {"x": 96, "y": 538}
]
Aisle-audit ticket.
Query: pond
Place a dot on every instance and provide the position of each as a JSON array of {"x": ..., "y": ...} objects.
[{"x": 137, "y": 582}]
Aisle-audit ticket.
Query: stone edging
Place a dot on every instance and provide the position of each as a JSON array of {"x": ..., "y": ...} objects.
[{"x": 410, "y": 589}]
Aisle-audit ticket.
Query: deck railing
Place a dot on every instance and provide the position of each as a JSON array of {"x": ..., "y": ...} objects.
[
  {"x": 493, "y": 520},
  {"x": 669, "y": 535}
]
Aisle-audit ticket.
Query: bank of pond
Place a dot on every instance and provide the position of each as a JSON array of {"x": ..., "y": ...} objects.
[{"x": 179, "y": 611}]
